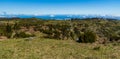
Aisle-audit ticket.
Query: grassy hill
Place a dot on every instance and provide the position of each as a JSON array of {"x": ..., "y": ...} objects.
[
  {"x": 41, "y": 48},
  {"x": 32, "y": 38}
]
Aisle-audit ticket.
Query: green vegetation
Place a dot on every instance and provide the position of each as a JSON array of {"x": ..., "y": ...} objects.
[
  {"x": 87, "y": 30},
  {"x": 88, "y": 37},
  {"x": 41, "y": 48},
  {"x": 23, "y": 35},
  {"x": 32, "y": 38}
]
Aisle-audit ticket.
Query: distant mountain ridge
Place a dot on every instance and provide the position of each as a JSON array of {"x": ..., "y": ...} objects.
[{"x": 58, "y": 17}]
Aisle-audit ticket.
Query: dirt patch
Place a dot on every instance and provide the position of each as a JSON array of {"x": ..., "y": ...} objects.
[{"x": 3, "y": 38}]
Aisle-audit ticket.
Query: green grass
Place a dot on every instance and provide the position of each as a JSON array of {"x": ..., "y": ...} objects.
[{"x": 56, "y": 49}]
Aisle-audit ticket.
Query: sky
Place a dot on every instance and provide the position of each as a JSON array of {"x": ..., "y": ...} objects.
[{"x": 37, "y": 7}]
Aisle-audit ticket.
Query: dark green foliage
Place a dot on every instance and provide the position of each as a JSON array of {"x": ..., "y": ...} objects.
[
  {"x": 16, "y": 26},
  {"x": 114, "y": 38},
  {"x": 22, "y": 35},
  {"x": 2, "y": 32},
  {"x": 87, "y": 37},
  {"x": 96, "y": 48},
  {"x": 59, "y": 29},
  {"x": 56, "y": 31},
  {"x": 8, "y": 30}
]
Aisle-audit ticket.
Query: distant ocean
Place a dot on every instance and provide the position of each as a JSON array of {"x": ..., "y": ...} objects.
[{"x": 60, "y": 17}]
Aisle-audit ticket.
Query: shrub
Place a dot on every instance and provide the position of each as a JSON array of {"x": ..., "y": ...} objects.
[
  {"x": 16, "y": 26},
  {"x": 87, "y": 37},
  {"x": 97, "y": 48},
  {"x": 2, "y": 32},
  {"x": 23, "y": 35},
  {"x": 8, "y": 30},
  {"x": 114, "y": 38}
]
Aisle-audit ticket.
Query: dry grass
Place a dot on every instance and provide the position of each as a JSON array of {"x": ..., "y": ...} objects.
[{"x": 56, "y": 49}]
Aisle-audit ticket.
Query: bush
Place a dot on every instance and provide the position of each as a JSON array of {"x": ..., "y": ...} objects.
[
  {"x": 97, "y": 48},
  {"x": 87, "y": 37},
  {"x": 2, "y": 32},
  {"x": 22, "y": 35},
  {"x": 8, "y": 31},
  {"x": 114, "y": 38}
]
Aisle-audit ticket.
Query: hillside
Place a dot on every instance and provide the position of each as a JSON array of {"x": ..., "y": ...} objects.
[
  {"x": 84, "y": 30},
  {"x": 34, "y": 38}
]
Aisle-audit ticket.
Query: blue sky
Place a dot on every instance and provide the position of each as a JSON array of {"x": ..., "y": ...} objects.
[{"x": 110, "y": 7}]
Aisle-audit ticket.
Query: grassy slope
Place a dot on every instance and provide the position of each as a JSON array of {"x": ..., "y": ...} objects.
[{"x": 56, "y": 49}]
